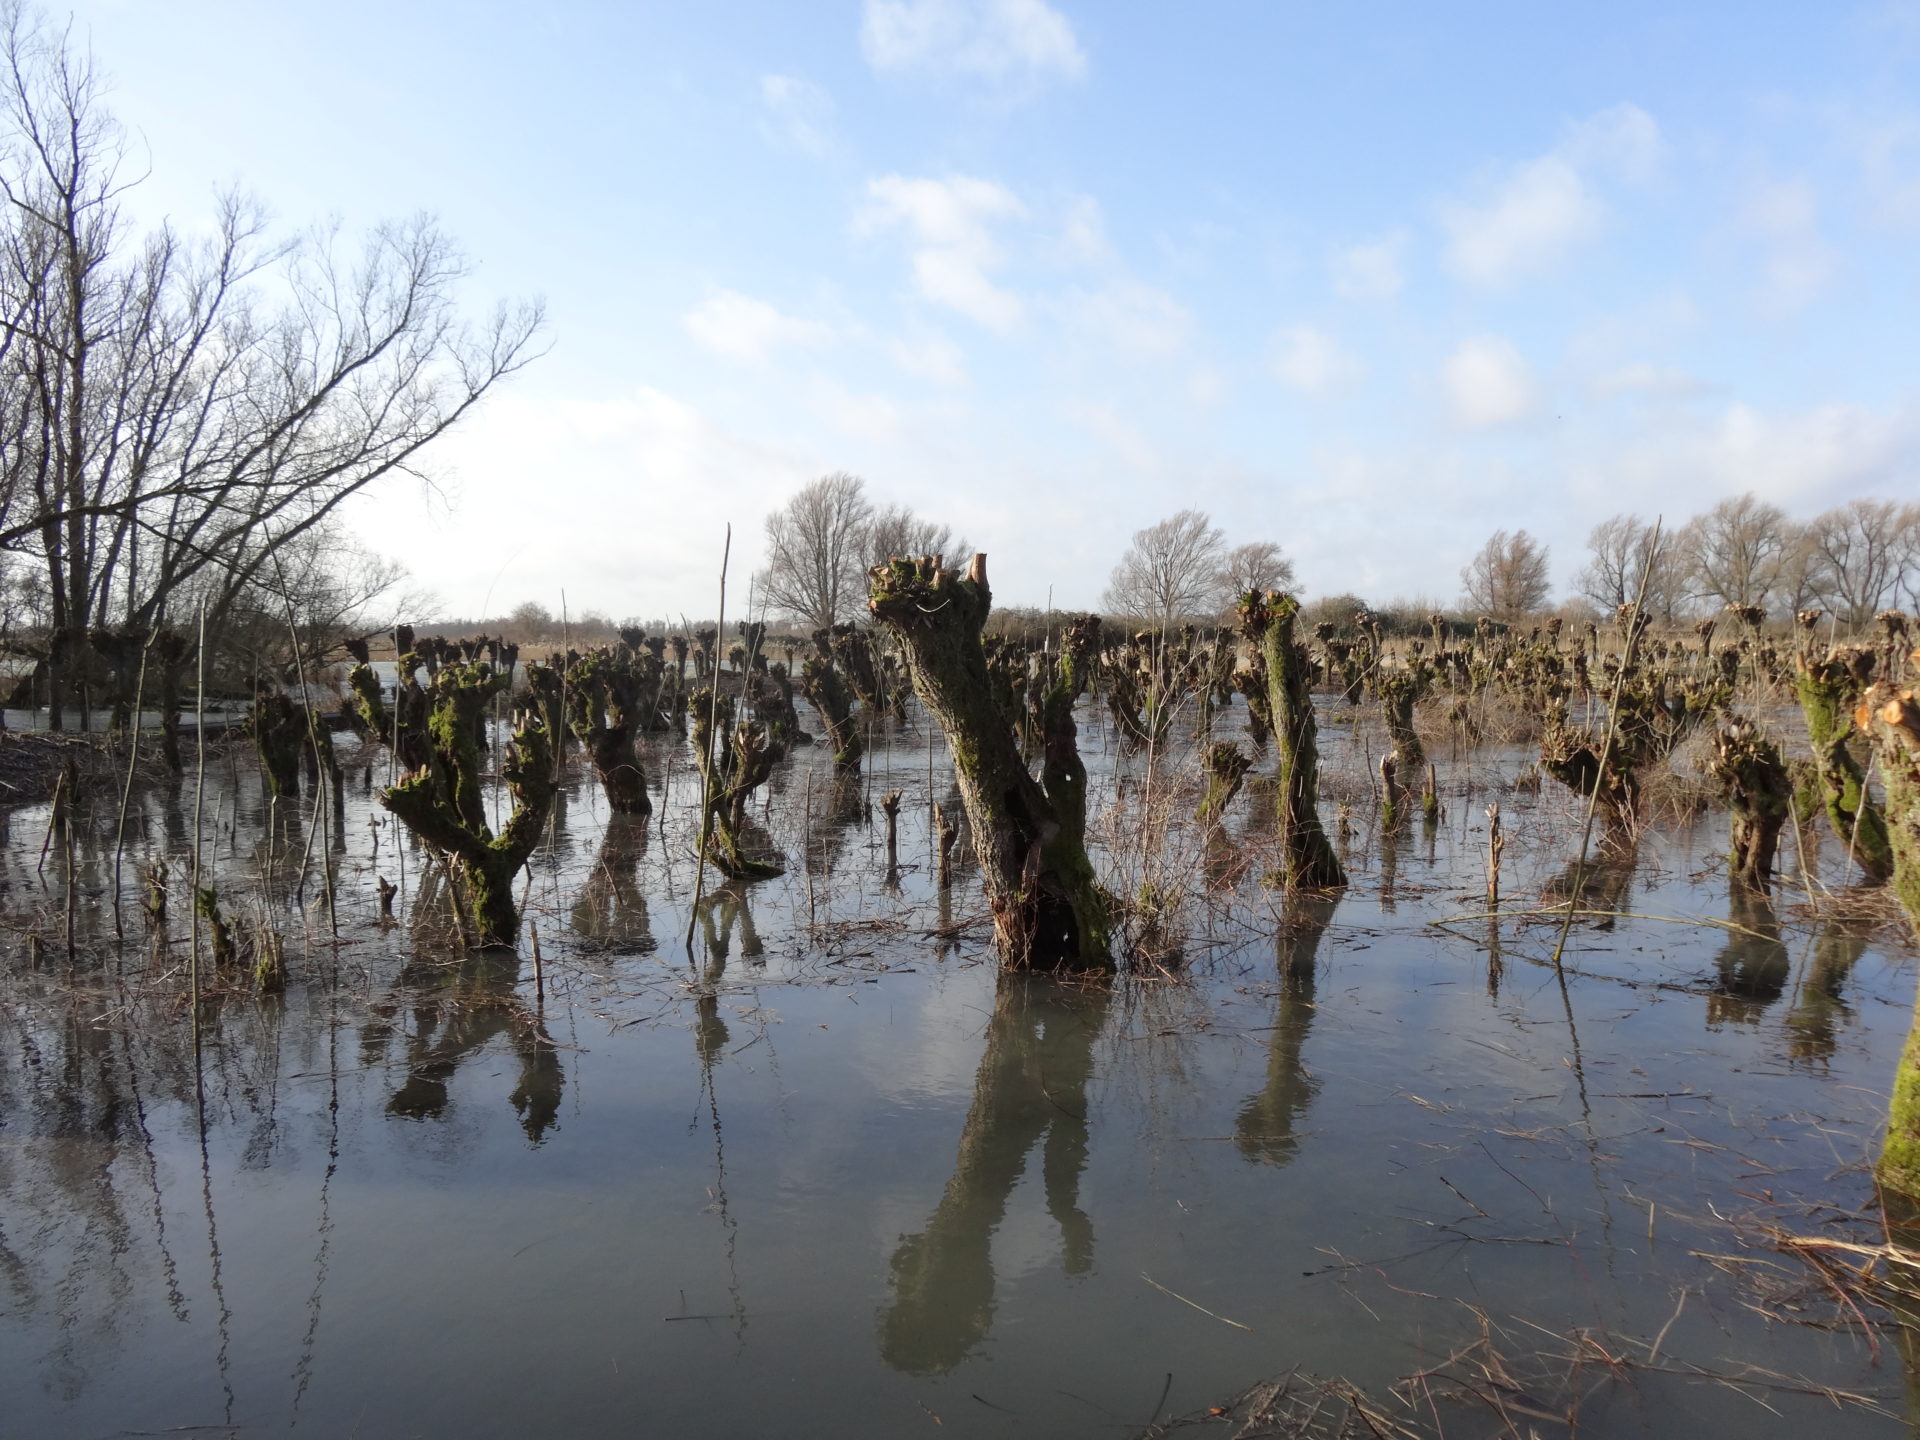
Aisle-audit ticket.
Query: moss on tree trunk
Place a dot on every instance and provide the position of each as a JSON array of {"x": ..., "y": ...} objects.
[
  {"x": 735, "y": 760},
  {"x": 1268, "y": 622},
  {"x": 1029, "y": 835},
  {"x": 605, "y": 696},
  {"x": 1891, "y": 718},
  {"x": 1828, "y": 691},
  {"x": 279, "y": 731},
  {"x": 442, "y": 801},
  {"x": 829, "y": 693}
]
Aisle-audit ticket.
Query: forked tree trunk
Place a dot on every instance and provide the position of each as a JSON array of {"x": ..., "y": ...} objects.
[
  {"x": 1029, "y": 835},
  {"x": 1268, "y": 622},
  {"x": 442, "y": 801}
]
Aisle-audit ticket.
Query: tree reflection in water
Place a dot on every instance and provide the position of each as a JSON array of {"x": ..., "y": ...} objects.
[
  {"x": 458, "y": 1009},
  {"x": 1819, "y": 1005},
  {"x": 1752, "y": 968},
  {"x": 1265, "y": 1131},
  {"x": 1032, "y": 1086},
  {"x": 720, "y": 912},
  {"x": 610, "y": 914}
]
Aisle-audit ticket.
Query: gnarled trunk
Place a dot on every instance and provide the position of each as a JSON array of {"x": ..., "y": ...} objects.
[
  {"x": 1759, "y": 794},
  {"x": 1029, "y": 835},
  {"x": 1891, "y": 718},
  {"x": 1828, "y": 690}
]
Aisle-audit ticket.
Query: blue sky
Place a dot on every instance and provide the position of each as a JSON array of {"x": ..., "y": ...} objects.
[{"x": 1366, "y": 280}]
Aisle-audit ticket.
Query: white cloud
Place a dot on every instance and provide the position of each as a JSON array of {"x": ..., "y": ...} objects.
[
  {"x": 873, "y": 418},
  {"x": 1373, "y": 270},
  {"x": 1130, "y": 318},
  {"x": 1799, "y": 263},
  {"x": 1487, "y": 383},
  {"x": 743, "y": 328},
  {"x": 951, "y": 219},
  {"x": 799, "y": 112},
  {"x": 1083, "y": 237},
  {"x": 1525, "y": 221},
  {"x": 1622, "y": 141},
  {"x": 1641, "y": 378},
  {"x": 1889, "y": 156},
  {"x": 1002, "y": 42},
  {"x": 1129, "y": 442},
  {"x": 1814, "y": 458},
  {"x": 931, "y": 357},
  {"x": 1205, "y": 388},
  {"x": 717, "y": 473},
  {"x": 1310, "y": 360}
]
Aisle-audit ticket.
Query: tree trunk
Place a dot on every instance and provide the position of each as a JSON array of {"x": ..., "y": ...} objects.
[
  {"x": 1892, "y": 720},
  {"x": 1828, "y": 690},
  {"x": 442, "y": 801},
  {"x": 1268, "y": 622},
  {"x": 1029, "y": 836},
  {"x": 1759, "y": 794}
]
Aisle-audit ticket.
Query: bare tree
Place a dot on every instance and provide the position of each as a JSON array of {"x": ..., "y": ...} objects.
[
  {"x": 1258, "y": 565},
  {"x": 1738, "y": 551},
  {"x": 1864, "y": 557},
  {"x": 816, "y": 545},
  {"x": 1170, "y": 570},
  {"x": 172, "y": 412},
  {"x": 1509, "y": 575},
  {"x": 1619, "y": 548},
  {"x": 895, "y": 531}
]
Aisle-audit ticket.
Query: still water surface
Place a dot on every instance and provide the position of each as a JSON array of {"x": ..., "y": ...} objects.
[{"x": 838, "y": 1179}]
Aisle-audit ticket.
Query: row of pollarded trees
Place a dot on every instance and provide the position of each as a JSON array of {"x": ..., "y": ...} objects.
[{"x": 180, "y": 409}]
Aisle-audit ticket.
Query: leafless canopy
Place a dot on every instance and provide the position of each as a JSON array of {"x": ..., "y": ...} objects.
[
  {"x": 897, "y": 531},
  {"x": 1170, "y": 572},
  {"x": 1619, "y": 548},
  {"x": 1509, "y": 575},
  {"x": 822, "y": 542},
  {"x": 815, "y": 545},
  {"x": 1863, "y": 557},
  {"x": 173, "y": 410},
  {"x": 1739, "y": 551},
  {"x": 1258, "y": 565}
]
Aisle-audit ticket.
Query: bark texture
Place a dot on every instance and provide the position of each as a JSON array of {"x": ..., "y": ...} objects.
[
  {"x": 1268, "y": 622},
  {"x": 1029, "y": 835}
]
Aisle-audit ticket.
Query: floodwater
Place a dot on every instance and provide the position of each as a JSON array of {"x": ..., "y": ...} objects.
[{"x": 820, "y": 1172}]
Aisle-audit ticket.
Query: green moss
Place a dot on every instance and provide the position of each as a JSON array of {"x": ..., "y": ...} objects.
[
  {"x": 1828, "y": 691},
  {"x": 441, "y": 801},
  {"x": 1310, "y": 860}
]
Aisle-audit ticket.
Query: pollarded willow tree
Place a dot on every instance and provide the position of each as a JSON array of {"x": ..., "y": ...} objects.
[
  {"x": 1890, "y": 716},
  {"x": 1029, "y": 835},
  {"x": 174, "y": 411}
]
